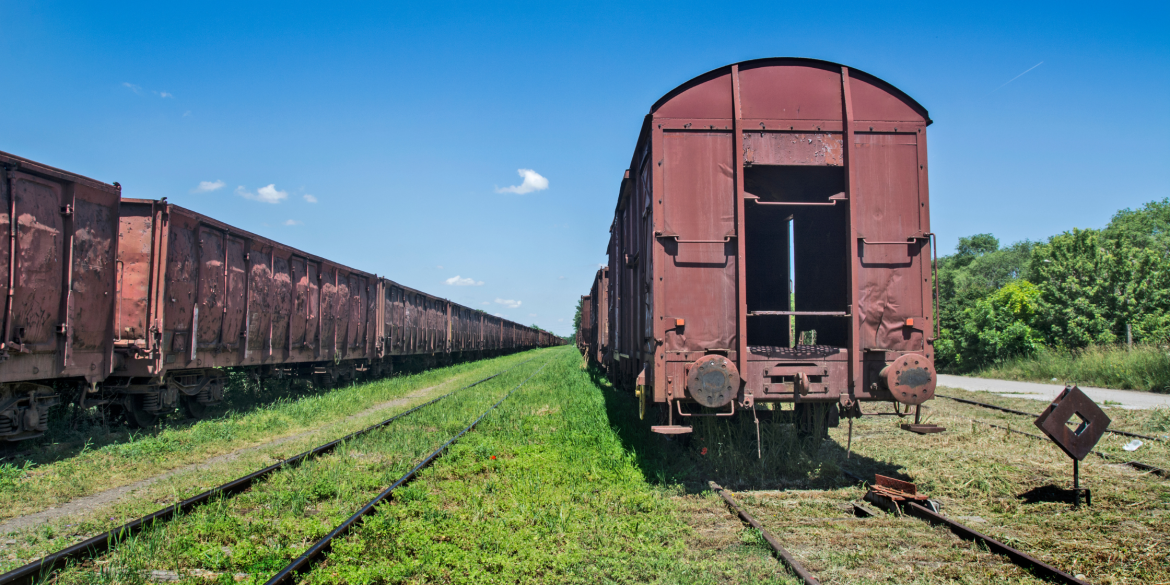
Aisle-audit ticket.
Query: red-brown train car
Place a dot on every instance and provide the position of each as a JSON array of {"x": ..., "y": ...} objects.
[
  {"x": 58, "y": 310},
  {"x": 771, "y": 243},
  {"x": 137, "y": 305},
  {"x": 593, "y": 333}
]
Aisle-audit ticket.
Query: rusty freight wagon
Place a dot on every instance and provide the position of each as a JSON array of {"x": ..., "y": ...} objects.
[
  {"x": 137, "y": 306},
  {"x": 593, "y": 337},
  {"x": 771, "y": 243},
  {"x": 59, "y": 291}
]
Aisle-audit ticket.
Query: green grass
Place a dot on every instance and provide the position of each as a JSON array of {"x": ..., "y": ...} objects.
[
  {"x": 547, "y": 491},
  {"x": 563, "y": 484},
  {"x": 43, "y": 476},
  {"x": 259, "y": 531},
  {"x": 1145, "y": 367}
]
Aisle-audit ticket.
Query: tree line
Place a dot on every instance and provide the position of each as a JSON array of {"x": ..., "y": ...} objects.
[{"x": 1079, "y": 288}]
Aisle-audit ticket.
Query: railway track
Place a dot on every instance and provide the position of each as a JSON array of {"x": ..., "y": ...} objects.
[
  {"x": 1036, "y": 567},
  {"x": 43, "y": 568},
  {"x": 304, "y": 562},
  {"x": 1029, "y": 414}
]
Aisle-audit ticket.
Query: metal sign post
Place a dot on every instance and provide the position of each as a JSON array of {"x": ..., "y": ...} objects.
[{"x": 1075, "y": 423}]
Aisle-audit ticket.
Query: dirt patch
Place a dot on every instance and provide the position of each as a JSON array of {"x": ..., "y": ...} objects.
[{"x": 87, "y": 504}]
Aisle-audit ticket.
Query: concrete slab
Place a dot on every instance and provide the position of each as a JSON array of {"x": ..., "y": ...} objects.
[{"x": 1131, "y": 399}]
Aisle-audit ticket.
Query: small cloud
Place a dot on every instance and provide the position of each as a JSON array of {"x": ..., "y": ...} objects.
[
  {"x": 532, "y": 182},
  {"x": 309, "y": 198},
  {"x": 187, "y": 113},
  {"x": 134, "y": 88},
  {"x": 508, "y": 303},
  {"x": 440, "y": 267},
  {"x": 293, "y": 222},
  {"x": 164, "y": 94},
  {"x": 268, "y": 194},
  {"x": 208, "y": 186},
  {"x": 532, "y": 314},
  {"x": 487, "y": 302},
  {"x": 560, "y": 320},
  {"x": 456, "y": 281},
  {"x": 560, "y": 278}
]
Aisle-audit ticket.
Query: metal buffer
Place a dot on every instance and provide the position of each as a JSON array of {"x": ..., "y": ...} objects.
[{"x": 1075, "y": 423}]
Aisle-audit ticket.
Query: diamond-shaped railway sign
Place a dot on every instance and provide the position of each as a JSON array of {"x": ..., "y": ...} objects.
[{"x": 1074, "y": 422}]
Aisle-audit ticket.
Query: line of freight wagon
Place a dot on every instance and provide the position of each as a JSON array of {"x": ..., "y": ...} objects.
[{"x": 137, "y": 306}]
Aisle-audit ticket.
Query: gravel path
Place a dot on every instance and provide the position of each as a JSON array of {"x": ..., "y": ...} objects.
[{"x": 1131, "y": 399}]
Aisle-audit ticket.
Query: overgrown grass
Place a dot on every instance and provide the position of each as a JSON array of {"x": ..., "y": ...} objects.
[
  {"x": 257, "y": 532},
  {"x": 564, "y": 484},
  {"x": 43, "y": 477},
  {"x": 546, "y": 491},
  {"x": 1145, "y": 367}
]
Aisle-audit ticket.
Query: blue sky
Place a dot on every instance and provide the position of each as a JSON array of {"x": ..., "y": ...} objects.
[{"x": 404, "y": 122}]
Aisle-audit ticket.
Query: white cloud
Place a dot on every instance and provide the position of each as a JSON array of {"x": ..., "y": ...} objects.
[
  {"x": 508, "y": 303},
  {"x": 456, "y": 281},
  {"x": 532, "y": 182},
  {"x": 293, "y": 222},
  {"x": 267, "y": 194},
  {"x": 487, "y": 302},
  {"x": 440, "y": 267},
  {"x": 187, "y": 113},
  {"x": 208, "y": 186},
  {"x": 560, "y": 278},
  {"x": 560, "y": 320},
  {"x": 532, "y": 314},
  {"x": 310, "y": 198},
  {"x": 164, "y": 94},
  {"x": 134, "y": 88}
]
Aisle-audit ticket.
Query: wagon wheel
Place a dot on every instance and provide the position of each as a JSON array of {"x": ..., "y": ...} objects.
[
  {"x": 137, "y": 417},
  {"x": 194, "y": 408}
]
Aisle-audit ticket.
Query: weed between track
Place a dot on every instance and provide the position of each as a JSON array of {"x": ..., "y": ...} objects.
[
  {"x": 579, "y": 491},
  {"x": 259, "y": 531},
  {"x": 304, "y": 423}
]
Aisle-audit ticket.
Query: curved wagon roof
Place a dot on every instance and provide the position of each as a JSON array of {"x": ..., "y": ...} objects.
[{"x": 789, "y": 88}]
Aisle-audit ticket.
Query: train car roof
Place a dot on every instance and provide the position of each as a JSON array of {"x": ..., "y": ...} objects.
[
  {"x": 31, "y": 166},
  {"x": 833, "y": 69}
]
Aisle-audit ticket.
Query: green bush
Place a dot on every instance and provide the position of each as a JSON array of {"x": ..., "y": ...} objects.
[{"x": 999, "y": 327}]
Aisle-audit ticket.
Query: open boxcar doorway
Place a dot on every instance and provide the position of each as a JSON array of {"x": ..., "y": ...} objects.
[{"x": 796, "y": 255}]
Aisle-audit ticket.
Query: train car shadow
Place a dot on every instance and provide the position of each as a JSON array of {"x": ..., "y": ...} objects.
[{"x": 727, "y": 451}]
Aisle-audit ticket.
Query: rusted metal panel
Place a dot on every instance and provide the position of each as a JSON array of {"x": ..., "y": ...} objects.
[
  {"x": 793, "y": 148},
  {"x": 235, "y": 294},
  {"x": 698, "y": 238},
  {"x": 250, "y": 300},
  {"x": 59, "y": 300},
  {"x": 892, "y": 250},
  {"x": 791, "y": 90},
  {"x": 1074, "y": 422}
]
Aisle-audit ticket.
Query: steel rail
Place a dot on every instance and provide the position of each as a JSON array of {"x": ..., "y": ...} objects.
[
  {"x": 785, "y": 556},
  {"x": 322, "y": 546},
  {"x": 1135, "y": 464},
  {"x": 1014, "y": 411},
  {"x": 1018, "y": 557},
  {"x": 92, "y": 547}
]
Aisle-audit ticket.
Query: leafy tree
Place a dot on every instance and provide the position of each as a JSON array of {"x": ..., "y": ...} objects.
[
  {"x": 1148, "y": 227},
  {"x": 577, "y": 316},
  {"x": 1000, "y": 326},
  {"x": 978, "y": 268}
]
